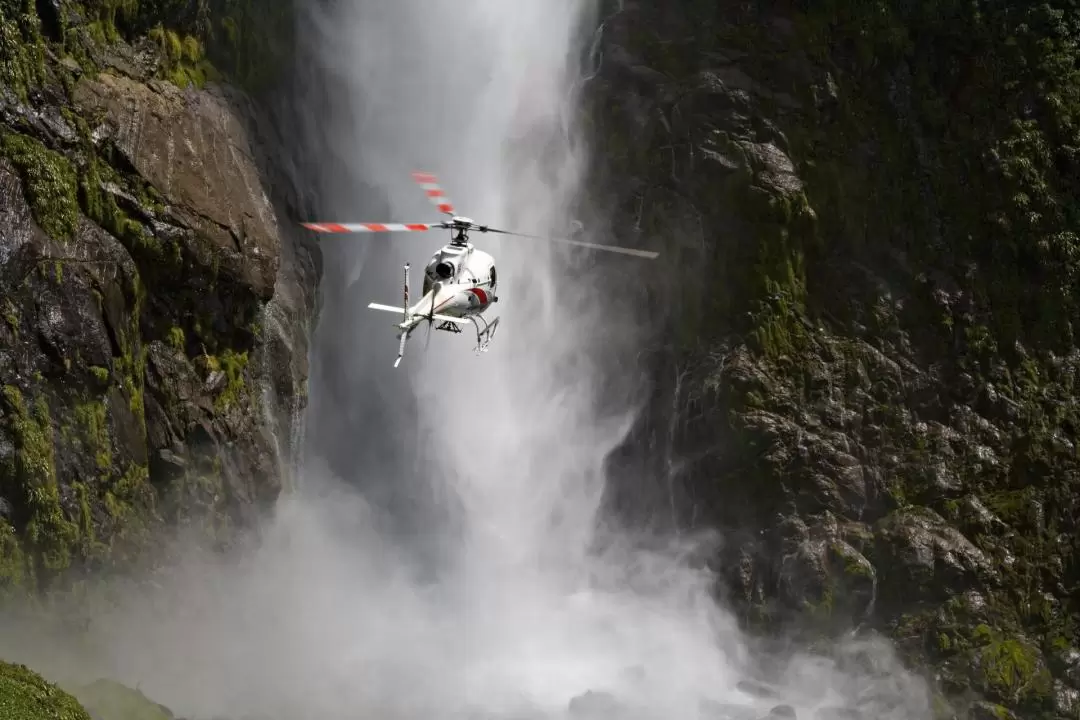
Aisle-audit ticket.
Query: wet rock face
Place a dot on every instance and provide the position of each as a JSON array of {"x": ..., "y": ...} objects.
[
  {"x": 853, "y": 375},
  {"x": 155, "y": 308},
  {"x": 194, "y": 150}
]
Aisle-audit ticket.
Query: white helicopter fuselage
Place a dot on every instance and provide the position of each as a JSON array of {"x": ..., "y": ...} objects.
[
  {"x": 459, "y": 285},
  {"x": 459, "y": 281}
]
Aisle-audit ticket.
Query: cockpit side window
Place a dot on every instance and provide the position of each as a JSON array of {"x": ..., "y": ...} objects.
[{"x": 493, "y": 278}]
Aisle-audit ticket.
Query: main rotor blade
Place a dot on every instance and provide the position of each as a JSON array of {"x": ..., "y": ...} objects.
[
  {"x": 371, "y": 227},
  {"x": 430, "y": 183},
  {"x": 648, "y": 254}
]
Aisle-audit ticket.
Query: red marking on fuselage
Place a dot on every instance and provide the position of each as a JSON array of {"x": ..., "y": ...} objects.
[{"x": 480, "y": 295}]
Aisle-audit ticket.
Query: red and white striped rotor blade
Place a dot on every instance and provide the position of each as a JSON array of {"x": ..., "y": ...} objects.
[
  {"x": 370, "y": 227},
  {"x": 435, "y": 194}
]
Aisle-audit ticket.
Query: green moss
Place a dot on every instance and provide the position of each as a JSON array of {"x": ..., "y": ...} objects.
[
  {"x": 107, "y": 15},
  {"x": 49, "y": 182},
  {"x": 991, "y": 182},
  {"x": 123, "y": 495},
  {"x": 89, "y": 546},
  {"x": 101, "y": 374},
  {"x": 233, "y": 365},
  {"x": 25, "y": 695},
  {"x": 130, "y": 366},
  {"x": 251, "y": 42},
  {"x": 11, "y": 316},
  {"x": 49, "y": 534},
  {"x": 92, "y": 419},
  {"x": 183, "y": 59},
  {"x": 100, "y": 205},
  {"x": 131, "y": 508},
  {"x": 176, "y": 338},
  {"x": 851, "y": 567},
  {"x": 1011, "y": 668},
  {"x": 22, "y": 61},
  {"x": 13, "y": 570}
]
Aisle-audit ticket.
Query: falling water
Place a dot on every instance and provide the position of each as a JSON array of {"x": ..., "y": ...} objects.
[
  {"x": 511, "y": 444},
  {"x": 440, "y": 559}
]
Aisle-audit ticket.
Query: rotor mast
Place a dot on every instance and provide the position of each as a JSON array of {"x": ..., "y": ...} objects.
[{"x": 459, "y": 231}]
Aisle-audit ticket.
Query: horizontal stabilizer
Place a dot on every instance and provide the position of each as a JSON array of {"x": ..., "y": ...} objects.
[
  {"x": 390, "y": 308},
  {"x": 441, "y": 318}
]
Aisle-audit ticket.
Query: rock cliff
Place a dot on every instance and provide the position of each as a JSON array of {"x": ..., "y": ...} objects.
[
  {"x": 865, "y": 358},
  {"x": 156, "y": 296}
]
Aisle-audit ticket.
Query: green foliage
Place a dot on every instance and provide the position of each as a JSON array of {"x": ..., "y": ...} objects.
[
  {"x": 13, "y": 570},
  {"x": 130, "y": 366},
  {"x": 980, "y": 101},
  {"x": 251, "y": 41},
  {"x": 89, "y": 546},
  {"x": 101, "y": 207},
  {"x": 104, "y": 510},
  {"x": 49, "y": 182},
  {"x": 950, "y": 158},
  {"x": 130, "y": 504},
  {"x": 49, "y": 534},
  {"x": 183, "y": 61},
  {"x": 1012, "y": 668},
  {"x": 22, "y": 50},
  {"x": 92, "y": 418},
  {"x": 233, "y": 365},
  {"x": 25, "y": 695},
  {"x": 176, "y": 338},
  {"x": 109, "y": 14}
]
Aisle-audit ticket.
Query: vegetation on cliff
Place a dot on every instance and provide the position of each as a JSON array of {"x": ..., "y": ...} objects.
[
  {"x": 138, "y": 250},
  {"x": 874, "y": 212},
  {"x": 25, "y": 695}
]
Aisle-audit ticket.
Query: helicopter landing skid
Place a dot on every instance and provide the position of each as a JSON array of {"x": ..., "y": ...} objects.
[{"x": 485, "y": 336}]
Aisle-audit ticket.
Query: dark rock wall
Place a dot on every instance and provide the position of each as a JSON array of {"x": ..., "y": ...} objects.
[
  {"x": 864, "y": 359},
  {"x": 156, "y": 293}
]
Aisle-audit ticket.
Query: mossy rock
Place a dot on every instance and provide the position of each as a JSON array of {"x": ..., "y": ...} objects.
[
  {"x": 108, "y": 700},
  {"x": 49, "y": 182},
  {"x": 25, "y": 695}
]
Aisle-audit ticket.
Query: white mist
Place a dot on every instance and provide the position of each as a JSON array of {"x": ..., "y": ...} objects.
[
  {"x": 334, "y": 616},
  {"x": 523, "y": 616}
]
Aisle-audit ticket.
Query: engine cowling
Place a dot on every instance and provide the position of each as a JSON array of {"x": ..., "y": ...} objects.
[{"x": 445, "y": 269}]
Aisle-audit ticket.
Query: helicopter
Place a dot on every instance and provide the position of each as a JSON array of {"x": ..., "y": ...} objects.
[{"x": 460, "y": 280}]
